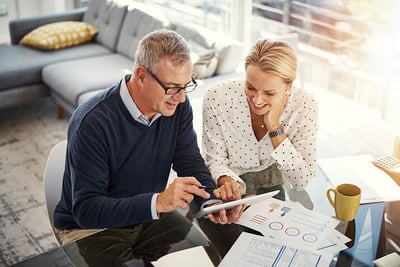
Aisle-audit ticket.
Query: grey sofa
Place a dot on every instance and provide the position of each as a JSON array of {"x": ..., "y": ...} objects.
[{"x": 72, "y": 75}]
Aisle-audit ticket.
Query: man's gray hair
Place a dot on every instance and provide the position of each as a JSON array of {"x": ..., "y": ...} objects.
[{"x": 158, "y": 44}]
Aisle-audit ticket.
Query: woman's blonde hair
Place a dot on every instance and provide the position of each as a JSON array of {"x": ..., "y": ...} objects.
[{"x": 275, "y": 57}]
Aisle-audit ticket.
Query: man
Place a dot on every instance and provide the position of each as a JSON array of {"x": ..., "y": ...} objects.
[{"x": 122, "y": 143}]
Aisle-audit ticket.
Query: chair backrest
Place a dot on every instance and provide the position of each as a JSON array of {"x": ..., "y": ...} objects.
[{"x": 52, "y": 180}]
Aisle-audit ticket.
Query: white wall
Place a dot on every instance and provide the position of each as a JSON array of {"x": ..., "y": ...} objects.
[
  {"x": 11, "y": 13},
  {"x": 52, "y": 6},
  {"x": 29, "y": 8}
]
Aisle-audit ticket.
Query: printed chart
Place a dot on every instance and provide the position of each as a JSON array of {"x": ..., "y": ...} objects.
[
  {"x": 291, "y": 222},
  {"x": 253, "y": 251}
]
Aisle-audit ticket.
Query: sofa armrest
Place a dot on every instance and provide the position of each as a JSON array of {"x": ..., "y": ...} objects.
[{"x": 20, "y": 27}]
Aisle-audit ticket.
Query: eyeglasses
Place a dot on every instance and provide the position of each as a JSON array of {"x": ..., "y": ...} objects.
[{"x": 173, "y": 90}]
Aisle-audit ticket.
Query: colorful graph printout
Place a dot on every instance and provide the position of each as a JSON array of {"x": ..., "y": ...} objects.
[{"x": 290, "y": 221}]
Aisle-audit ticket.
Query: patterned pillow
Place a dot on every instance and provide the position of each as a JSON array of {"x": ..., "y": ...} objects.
[
  {"x": 59, "y": 35},
  {"x": 204, "y": 60}
]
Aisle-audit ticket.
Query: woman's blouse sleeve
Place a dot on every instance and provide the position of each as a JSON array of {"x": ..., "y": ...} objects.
[
  {"x": 296, "y": 156},
  {"x": 214, "y": 145}
]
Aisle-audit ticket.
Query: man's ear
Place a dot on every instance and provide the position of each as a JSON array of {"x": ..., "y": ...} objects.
[{"x": 141, "y": 73}]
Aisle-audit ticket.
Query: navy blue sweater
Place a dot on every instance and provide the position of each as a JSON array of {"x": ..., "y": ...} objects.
[{"x": 115, "y": 164}]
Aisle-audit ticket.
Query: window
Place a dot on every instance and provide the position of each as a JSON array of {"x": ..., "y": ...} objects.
[
  {"x": 214, "y": 14},
  {"x": 345, "y": 46},
  {"x": 81, "y": 3}
]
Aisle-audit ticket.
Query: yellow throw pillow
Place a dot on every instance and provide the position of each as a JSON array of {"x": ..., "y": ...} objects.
[{"x": 59, "y": 35}]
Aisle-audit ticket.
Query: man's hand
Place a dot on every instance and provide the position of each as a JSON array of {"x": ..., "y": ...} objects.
[{"x": 179, "y": 194}]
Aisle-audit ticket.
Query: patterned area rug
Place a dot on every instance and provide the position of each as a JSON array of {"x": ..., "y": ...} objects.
[{"x": 27, "y": 134}]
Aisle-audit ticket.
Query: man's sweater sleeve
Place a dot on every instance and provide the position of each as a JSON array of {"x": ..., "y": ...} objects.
[{"x": 188, "y": 160}]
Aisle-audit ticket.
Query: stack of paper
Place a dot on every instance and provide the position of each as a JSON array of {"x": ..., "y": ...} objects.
[
  {"x": 254, "y": 251},
  {"x": 291, "y": 224}
]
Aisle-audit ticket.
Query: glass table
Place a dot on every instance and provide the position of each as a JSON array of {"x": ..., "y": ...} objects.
[
  {"x": 180, "y": 230},
  {"x": 366, "y": 231}
]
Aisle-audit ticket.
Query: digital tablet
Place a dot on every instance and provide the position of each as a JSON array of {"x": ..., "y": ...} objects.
[{"x": 227, "y": 205}]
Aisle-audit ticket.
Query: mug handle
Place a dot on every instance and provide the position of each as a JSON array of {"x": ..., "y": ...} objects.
[{"x": 328, "y": 195}]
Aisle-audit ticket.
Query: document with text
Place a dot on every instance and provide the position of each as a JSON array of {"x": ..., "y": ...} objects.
[
  {"x": 254, "y": 251},
  {"x": 296, "y": 226}
]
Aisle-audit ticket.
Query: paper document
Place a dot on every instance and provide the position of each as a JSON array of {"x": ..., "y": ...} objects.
[
  {"x": 293, "y": 225},
  {"x": 254, "y": 251},
  {"x": 376, "y": 185},
  {"x": 193, "y": 257}
]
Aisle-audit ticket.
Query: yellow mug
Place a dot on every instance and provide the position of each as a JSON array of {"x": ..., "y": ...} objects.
[{"x": 346, "y": 201}]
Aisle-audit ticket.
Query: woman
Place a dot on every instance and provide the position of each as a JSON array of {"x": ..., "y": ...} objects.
[{"x": 257, "y": 130}]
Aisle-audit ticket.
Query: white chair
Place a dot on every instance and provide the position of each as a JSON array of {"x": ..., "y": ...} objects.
[{"x": 52, "y": 180}]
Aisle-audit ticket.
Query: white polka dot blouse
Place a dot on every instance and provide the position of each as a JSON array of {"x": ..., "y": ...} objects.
[{"x": 231, "y": 148}]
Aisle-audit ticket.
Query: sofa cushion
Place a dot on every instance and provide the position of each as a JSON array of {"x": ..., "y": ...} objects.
[
  {"x": 59, "y": 35},
  {"x": 140, "y": 20},
  {"x": 196, "y": 33},
  {"x": 204, "y": 60},
  {"x": 107, "y": 16},
  {"x": 230, "y": 54},
  {"x": 88, "y": 74},
  {"x": 229, "y": 51},
  {"x": 21, "y": 26},
  {"x": 21, "y": 66}
]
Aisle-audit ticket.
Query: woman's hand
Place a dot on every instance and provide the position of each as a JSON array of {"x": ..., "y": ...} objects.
[
  {"x": 271, "y": 118},
  {"x": 227, "y": 216},
  {"x": 229, "y": 189}
]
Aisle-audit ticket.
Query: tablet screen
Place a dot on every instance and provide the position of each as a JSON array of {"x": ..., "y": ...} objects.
[{"x": 227, "y": 205}]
